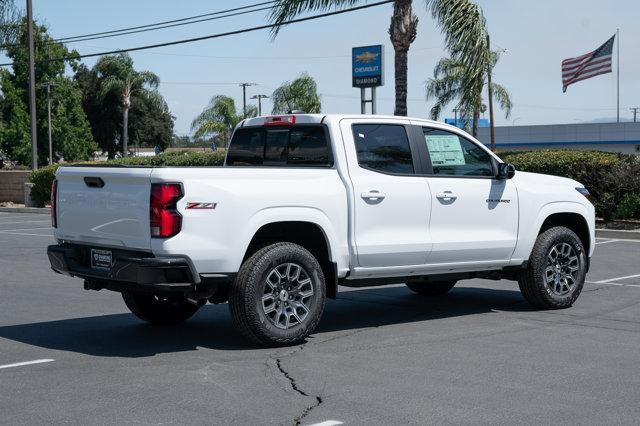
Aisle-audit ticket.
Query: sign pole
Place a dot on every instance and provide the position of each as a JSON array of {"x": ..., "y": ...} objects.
[
  {"x": 363, "y": 102},
  {"x": 373, "y": 100}
]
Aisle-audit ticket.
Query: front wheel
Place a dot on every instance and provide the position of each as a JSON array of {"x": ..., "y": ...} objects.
[
  {"x": 159, "y": 310},
  {"x": 556, "y": 271},
  {"x": 278, "y": 296}
]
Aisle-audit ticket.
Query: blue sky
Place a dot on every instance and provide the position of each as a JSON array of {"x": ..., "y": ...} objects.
[{"x": 536, "y": 34}]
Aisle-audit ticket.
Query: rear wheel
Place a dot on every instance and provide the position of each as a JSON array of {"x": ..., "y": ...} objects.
[
  {"x": 278, "y": 296},
  {"x": 556, "y": 271},
  {"x": 431, "y": 288},
  {"x": 159, "y": 310}
]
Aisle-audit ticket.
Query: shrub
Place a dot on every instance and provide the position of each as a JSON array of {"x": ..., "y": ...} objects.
[
  {"x": 608, "y": 176},
  {"x": 43, "y": 177},
  {"x": 42, "y": 180},
  {"x": 629, "y": 207}
]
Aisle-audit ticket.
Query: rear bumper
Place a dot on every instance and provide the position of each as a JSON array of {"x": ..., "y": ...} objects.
[{"x": 128, "y": 268}]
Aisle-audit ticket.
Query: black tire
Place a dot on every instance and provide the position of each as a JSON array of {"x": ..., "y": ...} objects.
[
  {"x": 550, "y": 293},
  {"x": 250, "y": 288},
  {"x": 170, "y": 310},
  {"x": 430, "y": 288}
]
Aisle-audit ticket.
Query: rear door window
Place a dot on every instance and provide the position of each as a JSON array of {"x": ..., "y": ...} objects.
[
  {"x": 296, "y": 146},
  {"x": 383, "y": 147}
]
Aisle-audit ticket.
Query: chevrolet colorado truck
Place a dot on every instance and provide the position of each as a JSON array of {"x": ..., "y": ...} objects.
[{"x": 307, "y": 202}]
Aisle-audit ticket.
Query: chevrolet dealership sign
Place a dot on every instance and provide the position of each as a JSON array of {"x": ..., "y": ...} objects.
[{"x": 367, "y": 66}]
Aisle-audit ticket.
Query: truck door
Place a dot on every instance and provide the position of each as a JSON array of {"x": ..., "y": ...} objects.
[
  {"x": 474, "y": 215},
  {"x": 391, "y": 203}
]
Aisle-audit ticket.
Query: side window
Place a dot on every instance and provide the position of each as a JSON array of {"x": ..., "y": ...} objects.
[
  {"x": 454, "y": 155},
  {"x": 383, "y": 147}
]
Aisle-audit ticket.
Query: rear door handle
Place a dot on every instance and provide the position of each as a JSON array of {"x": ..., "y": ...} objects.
[
  {"x": 373, "y": 195},
  {"x": 446, "y": 196}
]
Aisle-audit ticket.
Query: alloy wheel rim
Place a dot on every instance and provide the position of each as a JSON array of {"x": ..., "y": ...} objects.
[
  {"x": 561, "y": 272},
  {"x": 287, "y": 296}
]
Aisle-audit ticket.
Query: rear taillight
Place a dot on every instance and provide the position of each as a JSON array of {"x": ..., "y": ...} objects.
[
  {"x": 54, "y": 202},
  {"x": 165, "y": 221}
]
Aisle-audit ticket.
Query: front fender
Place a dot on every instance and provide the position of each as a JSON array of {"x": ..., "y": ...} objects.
[{"x": 528, "y": 234}]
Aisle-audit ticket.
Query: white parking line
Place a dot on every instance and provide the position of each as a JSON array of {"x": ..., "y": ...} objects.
[
  {"x": 605, "y": 242},
  {"x": 24, "y": 233},
  {"x": 617, "y": 279},
  {"x": 20, "y": 364},
  {"x": 327, "y": 423},
  {"x": 23, "y": 229},
  {"x": 24, "y": 221}
]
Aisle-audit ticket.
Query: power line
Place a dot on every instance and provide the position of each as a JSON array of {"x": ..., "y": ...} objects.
[
  {"x": 159, "y": 25},
  {"x": 212, "y": 36},
  {"x": 76, "y": 39}
]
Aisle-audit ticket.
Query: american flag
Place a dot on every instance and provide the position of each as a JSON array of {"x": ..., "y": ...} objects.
[{"x": 587, "y": 66}]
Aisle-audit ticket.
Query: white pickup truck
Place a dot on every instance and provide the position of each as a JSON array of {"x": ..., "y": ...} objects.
[{"x": 307, "y": 202}]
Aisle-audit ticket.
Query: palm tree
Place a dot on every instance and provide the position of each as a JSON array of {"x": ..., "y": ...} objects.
[
  {"x": 459, "y": 20},
  {"x": 453, "y": 81},
  {"x": 300, "y": 94},
  {"x": 220, "y": 117},
  {"x": 120, "y": 78}
]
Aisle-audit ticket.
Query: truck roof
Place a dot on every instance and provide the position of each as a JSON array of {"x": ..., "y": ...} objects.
[{"x": 304, "y": 118}]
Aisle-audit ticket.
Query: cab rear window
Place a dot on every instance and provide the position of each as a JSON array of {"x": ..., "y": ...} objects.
[{"x": 295, "y": 146}]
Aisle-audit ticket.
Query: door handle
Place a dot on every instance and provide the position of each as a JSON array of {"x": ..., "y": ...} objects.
[
  {"x": 446, "y": 196},
  {"x": 373, "y": 195}
]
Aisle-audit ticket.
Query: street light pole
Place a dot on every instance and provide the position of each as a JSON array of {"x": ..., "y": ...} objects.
[
  {"x": 259, "y": 98},
  {"x": 32, "y": 88}
]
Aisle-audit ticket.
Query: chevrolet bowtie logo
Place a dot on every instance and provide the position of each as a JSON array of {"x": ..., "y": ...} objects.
[{"x": 366, "y": 57}]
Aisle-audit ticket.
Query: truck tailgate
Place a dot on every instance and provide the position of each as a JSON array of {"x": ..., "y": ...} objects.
[{"x": 104, "y": 206}]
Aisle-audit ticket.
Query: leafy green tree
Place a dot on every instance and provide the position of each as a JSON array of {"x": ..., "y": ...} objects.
[
  {"x": 451, "y": 82},
  {"x": 300, "y": 94},
  {"x": 9, "y": 22},
  {"x": 71, "y": 133},
  {"x": 457, "y": 19},
  {"x": 219, "y": 119},
  {"x": 151, "y": 123},
  {"x": 120, "y": 78}
]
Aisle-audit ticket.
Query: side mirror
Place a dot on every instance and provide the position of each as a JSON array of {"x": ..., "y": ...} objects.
[{"x": 506, "y": 171}]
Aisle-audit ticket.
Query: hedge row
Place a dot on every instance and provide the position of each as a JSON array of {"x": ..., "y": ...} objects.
[
  {"x": 43, "y": 177},
  {"x": 612, "y": 179}
]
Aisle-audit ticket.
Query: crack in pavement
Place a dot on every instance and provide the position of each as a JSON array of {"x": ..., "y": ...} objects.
[{"x": 294, "y": 385}]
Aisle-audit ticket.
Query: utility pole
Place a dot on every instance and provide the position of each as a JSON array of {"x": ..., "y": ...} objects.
[
  {"x": 635, "y": 112},
  {"x": 244, "y": 97},
  {"x": 455, "y": 117},
  {"x": 48, "y": 86},
  {"x": 259, "y": 98},
  {"x": 32, "y": 88},
  {"x": 489, "y": 71}
]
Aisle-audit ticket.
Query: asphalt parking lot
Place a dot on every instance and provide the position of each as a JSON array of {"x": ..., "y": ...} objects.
[{"x": 380, "y": 356}]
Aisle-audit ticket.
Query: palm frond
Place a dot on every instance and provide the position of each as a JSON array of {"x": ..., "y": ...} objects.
[{"x": 284, "y": 10}]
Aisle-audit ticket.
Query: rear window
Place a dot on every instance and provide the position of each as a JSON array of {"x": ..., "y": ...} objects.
[
  {"x": 383, "y": 147},
  {"x": 297, "y": 146}
]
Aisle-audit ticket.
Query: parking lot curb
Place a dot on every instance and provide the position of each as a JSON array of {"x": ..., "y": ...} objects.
[
  {"x": 618, "y": 233},
  {"x": 44, "y": 210}
]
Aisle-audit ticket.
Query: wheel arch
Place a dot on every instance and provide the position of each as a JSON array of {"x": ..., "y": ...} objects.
[{"x": 309, "y": 230}]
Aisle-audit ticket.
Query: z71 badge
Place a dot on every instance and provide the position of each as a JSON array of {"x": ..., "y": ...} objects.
[{"x": 202, "y": 206}]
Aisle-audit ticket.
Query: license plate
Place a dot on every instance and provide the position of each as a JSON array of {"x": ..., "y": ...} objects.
[{"x": 101, "y": 259}]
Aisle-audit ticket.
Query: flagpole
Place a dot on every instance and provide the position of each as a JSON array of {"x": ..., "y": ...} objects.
[{"x": 618, "y": 71}]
